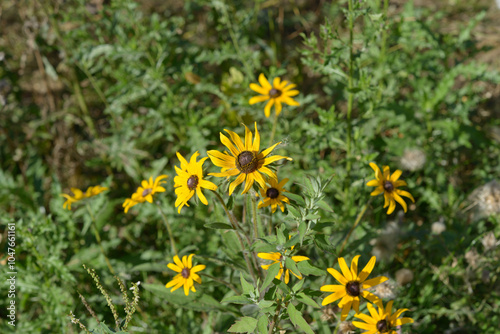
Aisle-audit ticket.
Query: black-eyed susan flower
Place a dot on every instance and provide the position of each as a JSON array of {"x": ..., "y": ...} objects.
[
  {"x": 388, "y": 185},
  {"x": 187, "y": 274},
  {"x": 280, "y": 92},
  {"x": 383, "y": 321},
  {"x": 352, "y": 285},
  {"x": 278, "y": 257},
  {"x": 189, "y": 180},
  {"x": 272, "y": 195},
  {"x": 145, "y": 192},
  {"x": 246, "y": 160},
  {"x": 79, "y": 195}
]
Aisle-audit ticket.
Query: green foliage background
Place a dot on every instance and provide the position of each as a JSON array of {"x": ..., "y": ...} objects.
[{"x": 106, "y": 93}]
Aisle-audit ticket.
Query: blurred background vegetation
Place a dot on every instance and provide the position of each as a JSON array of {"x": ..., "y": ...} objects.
[{"x": 105, "y": 92}]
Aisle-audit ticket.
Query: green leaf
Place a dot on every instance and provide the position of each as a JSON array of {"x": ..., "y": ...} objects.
[
  {"x": 218, "y": 226},
  {"x": 294, "y": 212},
  {"x": 292, "y": 241},
  {"x": 297, "y": 319},
  {"x": 323, "y": 205},
  {"x": 243, "y": 325},
  {"x": 307, "y": 269},
  {"x": 271, "y": 273},
  {"x": 262, "y": 324},
  {"x": 291, "y": 265},
  {"x": 296, "y": 198},
  {"x": 237, "y": 300},
  {"x": 298, "y": 286},
  {"x": 302, "y": 297},
  {"x": 265, "y": 304},
  {"x": 247, "y": 287},
  {"x": 149, "y": 267}
]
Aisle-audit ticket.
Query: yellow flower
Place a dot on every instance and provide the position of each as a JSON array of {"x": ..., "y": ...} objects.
[
  {"x": 190, "y": 179},
  {"x": 273, "y": 195},
  {"x": 279, "y": 92},
  {"x": 382, "y": 321},
  {"x": 187, "y": 274},
  {"x": 278, "y": 257},
  {"x": 145, "y": 192},
  {"x": 352, "y": 285},
  {"x": 79, "y": 195},
  {"x": 245, "y": 160},
  {"x": 388, "y": 185}
]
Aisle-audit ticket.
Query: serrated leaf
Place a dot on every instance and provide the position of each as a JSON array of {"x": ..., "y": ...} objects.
[
  {"x": 262, "y": 324},
  {"x": 302, "y": 297},
  {"x": 243, "y": 325},
  {"x": 271, "y": 273},
  {"x": 247, "y": 287},
  {"x": 218, "y": 226},
  {"x": 297, "y": 319}
]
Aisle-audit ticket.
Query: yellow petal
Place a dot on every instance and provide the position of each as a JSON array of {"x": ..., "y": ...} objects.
[
  {"x": 367, "y": 269},
  {"x": 338, "y": 276},
  {"x": 257, "y": 99},
  {"x": 263, "y": 82},
  {"x": 236, "y": 182},
  {"x": 202, "y": 197},
  {"x": 259, "y": 89},
  {"x": 345, "y": 269},
  {"x": 400, "y": 201},
  {"x": 333, "y": 297},
  {"x": 267, "y": 108},
  {"x": 374, "y": 281}
]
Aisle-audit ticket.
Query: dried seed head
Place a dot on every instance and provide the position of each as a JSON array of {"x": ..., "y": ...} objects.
[
  {"x": 404, "y": 276},
  {"x": 438, "y": 227},
  {"x": 413, "y": 159},
  {"x": 346, "y": 327},
  {"x": 489, "y": 241}
]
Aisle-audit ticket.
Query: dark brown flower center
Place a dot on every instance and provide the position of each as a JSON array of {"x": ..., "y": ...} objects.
[
  {"x": 272, "y": 193},
  {"x": 192, "y": 182},
  {"x": 382, "y": 326},
  {"x": 388, "y": 186},
  {"x": 353, "y": 289},
  {"x": 146, "y": 192},
  {"x": 274, "y": 93},
  {"x": 247, "y": 162},
  {"x": 185, "y": 272}
]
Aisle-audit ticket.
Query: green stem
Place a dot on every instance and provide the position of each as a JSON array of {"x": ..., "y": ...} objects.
[
  {"x": 98, "y": 238},
  {"x": 254, "y": 218},
  {"x": 229, "y": 285},
  {"x": 350, "y": 98},
  {"x": 247, "y": 260},
  {"x": 169, "y": 229},
  {"x": 270, "y": 227},
  {"x": 275, "y": 318},
  {"x": 358, "y": 219},
  {"x": 273, "y": 131}
]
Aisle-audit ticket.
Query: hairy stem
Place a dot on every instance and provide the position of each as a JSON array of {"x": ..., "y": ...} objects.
[{"x": 169, "y": 229}]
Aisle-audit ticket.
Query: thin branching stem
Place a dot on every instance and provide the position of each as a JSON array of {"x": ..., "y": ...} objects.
[{"x": 169, "y": 229}]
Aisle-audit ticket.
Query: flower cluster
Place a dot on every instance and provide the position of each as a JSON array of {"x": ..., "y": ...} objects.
[
  {"x": 145, "y": 192},
  {"x": 79, "y": 195},
  {"x": 353, "y": 285}
]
